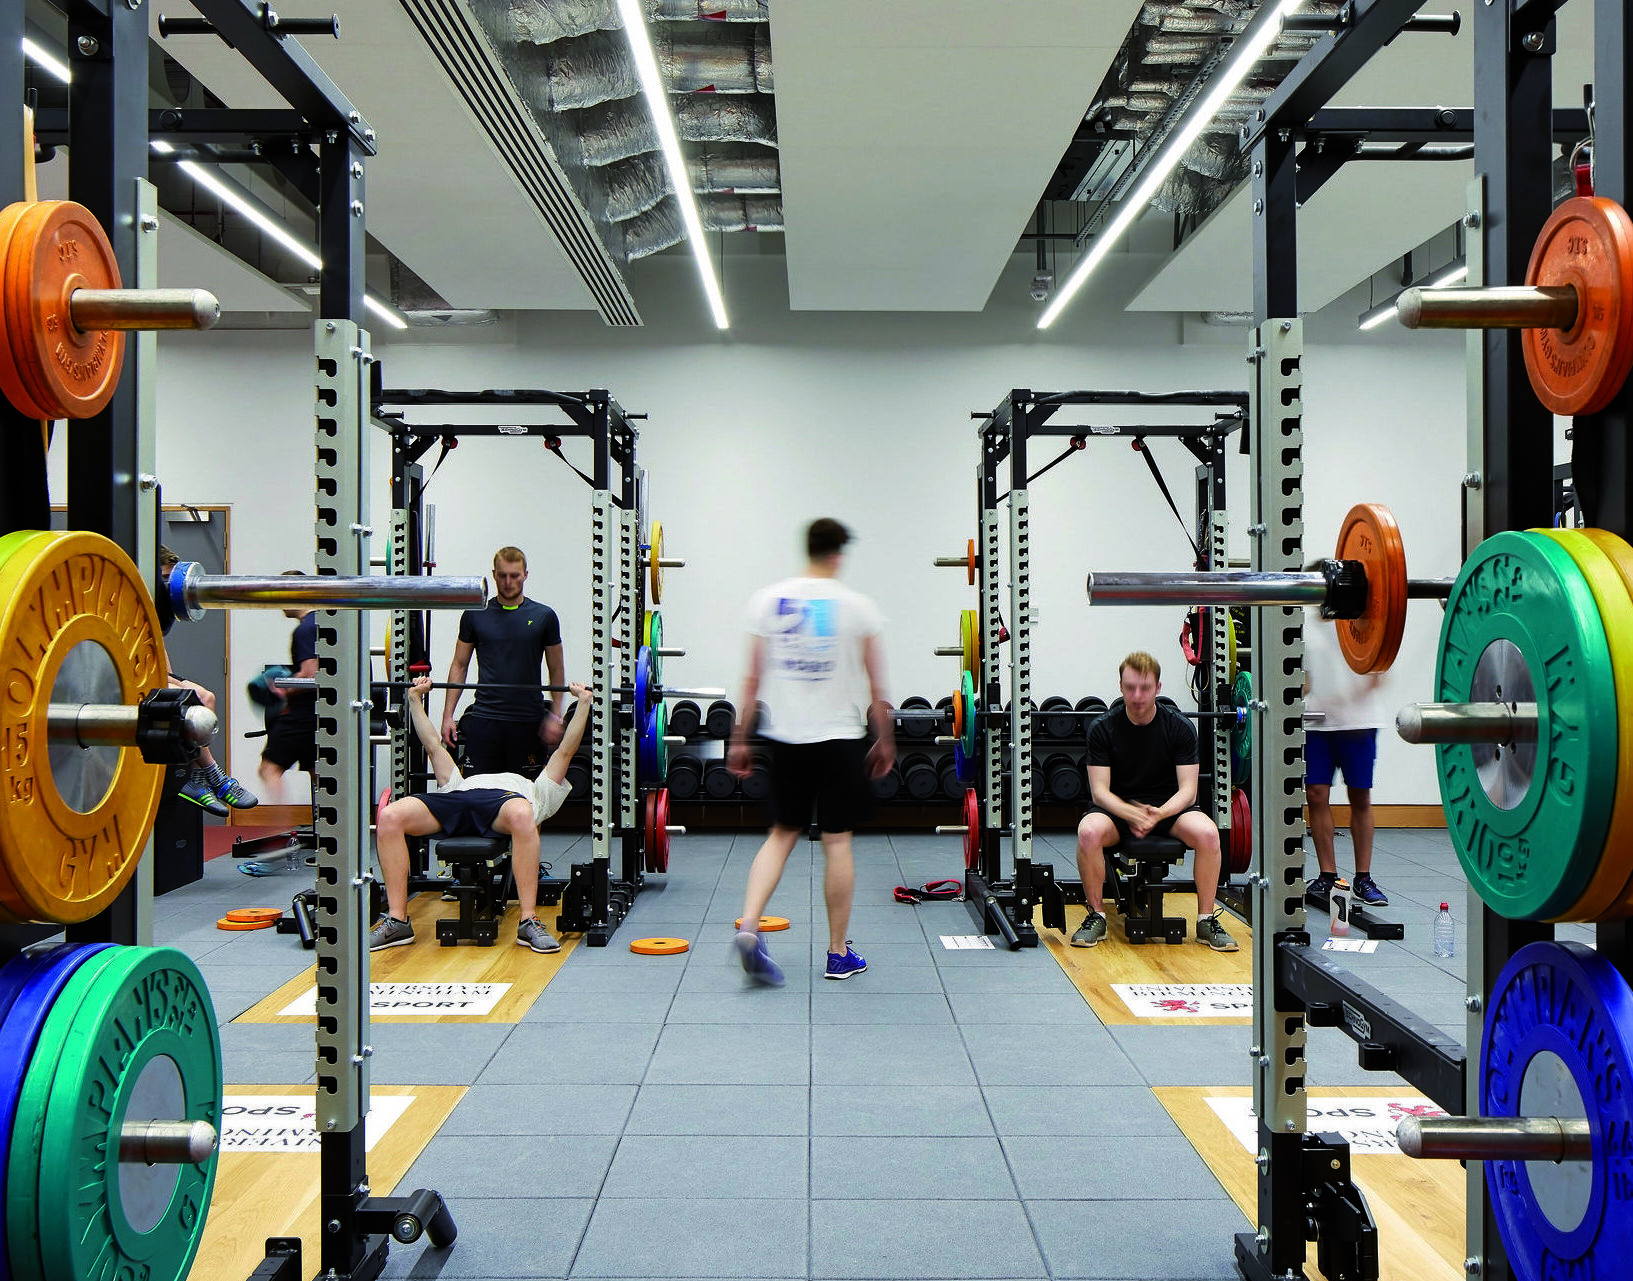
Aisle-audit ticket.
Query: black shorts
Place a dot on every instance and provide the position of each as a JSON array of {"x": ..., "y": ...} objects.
[
  {"x": 291, "y": 739},
  {"x": 1163, "y": 828},
  {"x": 502, "y": 747},
  {"x": 472, "y": 812},
  {"x": 829, "y": 777}
]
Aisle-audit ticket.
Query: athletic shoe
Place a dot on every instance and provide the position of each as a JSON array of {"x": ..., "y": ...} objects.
[
  {"x": 757, "y": 962},
  {"x": 1324, "y": 884},
  {"x": 842, "y": 967},
  {"x": 530, "y": 933},
  {"x": 1091, "y": 931},
  {"x": 235, "y": 794},
  {"x": 1366, "y": 891},
  {"x": 390, "y": 932},
  {"x": 1211, "y": 931},
  {"x": 201, "y": 794}
]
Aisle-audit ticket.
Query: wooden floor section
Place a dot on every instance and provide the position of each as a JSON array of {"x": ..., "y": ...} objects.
[
  {"x": 265, "y": 1194},
  {"x": 427, "y": 961},
  {"x": 1094, "y": 969},
  {"x": 1417, "y": 1205}
]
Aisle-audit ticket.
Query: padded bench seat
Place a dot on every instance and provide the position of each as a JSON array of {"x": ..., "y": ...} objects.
[
  {"x": 484, "y": 886},
  {"x": 1137, "y": 869}
]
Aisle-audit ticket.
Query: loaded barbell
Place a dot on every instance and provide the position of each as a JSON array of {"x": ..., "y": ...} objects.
[{"x": 190, "y": 592}]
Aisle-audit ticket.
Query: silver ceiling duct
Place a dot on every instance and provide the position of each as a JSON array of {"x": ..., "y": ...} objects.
[
  {"x": 708, "y": 11},
  {"x": 716, "y": 58},
  {"x": 633, "y": 186},
  {"x": 745, "y": 170},
  {"x": 710, "y": 117},
  {"x": 661, "y": 226}
]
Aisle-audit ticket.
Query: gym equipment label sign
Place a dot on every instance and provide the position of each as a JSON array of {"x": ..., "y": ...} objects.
[
  {"x": 409, "y": 1000},
  {"x": 287, "y": 1122},
  {"x": 1366, "y": 1124},
  {"x": 1186, "y": 1000}
]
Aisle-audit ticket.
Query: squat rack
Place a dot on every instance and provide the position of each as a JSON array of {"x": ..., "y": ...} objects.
[
  {"x": 595, "y": 900},
  {"x": 997, "y": 905}
]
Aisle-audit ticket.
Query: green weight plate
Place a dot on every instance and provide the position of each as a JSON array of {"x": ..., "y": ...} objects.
[
  {"x": 24, "y": 1168},
  {"x": 660, "y": 749},
  {"x": 1533, "y": 842},
  {"x": 1241, "y": 736},
  {"x": 143, "y": 1046},
  {"x": 966, "y": 695}
]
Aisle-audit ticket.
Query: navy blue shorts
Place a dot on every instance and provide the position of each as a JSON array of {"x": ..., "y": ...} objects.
[
  {"x": 468, "y": 813},
  {"x": 1347, "y": 751}
]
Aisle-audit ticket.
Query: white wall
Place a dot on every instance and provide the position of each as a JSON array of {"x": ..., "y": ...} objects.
[{"x": 789, "y": 416}]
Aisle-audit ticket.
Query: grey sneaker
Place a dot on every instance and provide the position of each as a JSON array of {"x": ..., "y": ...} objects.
[
  {"x": 1091, "y": 931},
  {"x": 390, "y": 932},
  {"x": 1209, "y": 930},
  {"x": 530, "y": 933}
]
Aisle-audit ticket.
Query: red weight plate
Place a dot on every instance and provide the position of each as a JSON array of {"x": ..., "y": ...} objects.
[
  {"x": 972, "y": 828},
  {"x": 1587, "y": 244},
  {"x": 660, "y": 830},
  {"x": 1370, "y": 535},
  {"x": 1241, "y": 832}
]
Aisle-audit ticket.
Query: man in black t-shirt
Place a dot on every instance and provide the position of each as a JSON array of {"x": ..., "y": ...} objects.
[
  {"x": 507, "y": 730},
  {"x": 1143, "y": 770},
  {"x": 291, "y": 735}
]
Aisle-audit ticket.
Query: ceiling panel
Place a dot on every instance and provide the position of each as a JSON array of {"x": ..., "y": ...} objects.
[{"x": 916, "y": 136}]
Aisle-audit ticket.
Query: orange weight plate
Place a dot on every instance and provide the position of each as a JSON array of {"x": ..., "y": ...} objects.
[
  {"x": 76, "y": 625},
  {"x": 56, "y": 371},
  {"x": 768, "y": 924},
  {"x": 227, "y": 923},
  {"x": 1370, "y": 535},
  {"x": 242, "y": 915},
  {"x": 970, "y": 563},
  {"x": 958, "y": 713},
  {"x": 659, "y": 947},
  {"x": 1586, "y": 243}
]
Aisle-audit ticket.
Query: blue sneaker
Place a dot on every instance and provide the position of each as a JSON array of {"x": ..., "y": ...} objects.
[
  {"x": 842, "y": 967},
  {"x": 757, "y": 962}
]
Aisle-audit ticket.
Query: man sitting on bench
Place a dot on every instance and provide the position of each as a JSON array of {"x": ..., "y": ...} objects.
[
  {"x": 481, "y": 805},
  {"x": 1142, "y": 782}
]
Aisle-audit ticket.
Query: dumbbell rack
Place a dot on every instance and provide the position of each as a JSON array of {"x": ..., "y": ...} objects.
[
  {"x": 1304, "y": 1184},
  {"x": 1004, "y": 905}
]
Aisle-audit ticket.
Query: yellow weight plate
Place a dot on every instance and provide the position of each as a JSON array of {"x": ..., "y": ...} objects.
[
  {"x": 60, "y": 591},
  {"x": 1606, "y": 891},
  {"x": 1230, "y": 643},
  {"x": 969, "y": 640},
  {"x": 1618, "y": 852},
  {"x": 654, "y": 569}
]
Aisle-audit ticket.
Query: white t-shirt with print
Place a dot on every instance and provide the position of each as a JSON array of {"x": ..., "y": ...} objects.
[
  {"x": 1349, "y": 701},
  {"x": 546, "y": 794},
  {"x": 812, "y": 680}
]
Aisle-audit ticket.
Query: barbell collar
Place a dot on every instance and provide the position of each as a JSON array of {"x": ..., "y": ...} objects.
[
  {"x": 1207, "y": 587},
  {"x": 1467, "y": 723},
  {"x": 1504, "y": 307},
  {"x": 93, "y": 309},
  {"x": 192, "y": 592},
  {"x": 1479, "y": 1138},
  {"x": 166, "y": 1142},
  {"x": 116, "y": 724}
]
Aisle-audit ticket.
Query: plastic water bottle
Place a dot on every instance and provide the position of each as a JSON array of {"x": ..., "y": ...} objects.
[
  {"x": 1445, "y": 931},
  {"x": 1338, "y": 901}
]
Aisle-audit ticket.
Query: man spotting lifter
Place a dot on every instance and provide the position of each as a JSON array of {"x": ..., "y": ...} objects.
[
  {"x": 481, "y": 805},
  {"x": 1142, "y": 782}
]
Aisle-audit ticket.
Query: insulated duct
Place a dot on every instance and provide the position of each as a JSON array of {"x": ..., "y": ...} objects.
[
  {"x": 703, "y": 117},
  {"x": 741, "y": 169},
  {"x": 708, "y": 11},
  {"x": 724, "y": 58}
]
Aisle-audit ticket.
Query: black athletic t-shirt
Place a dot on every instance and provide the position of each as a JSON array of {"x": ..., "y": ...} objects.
[
  {"x": 510, "y": 643},
  {"x": 303, "y": 644},
  {"x": 1143, "y": 758}
]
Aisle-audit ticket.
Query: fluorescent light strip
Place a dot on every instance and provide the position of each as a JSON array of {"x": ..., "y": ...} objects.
[
  {"x": 1200, "y": 117},
  {"x": 230, "y": 195},
  {"x": 1385, "y": 311},
  {"x": 1453, "y": 274},
  {"x": 657, "y": 101},
  {"x": 40, "y": 58}
]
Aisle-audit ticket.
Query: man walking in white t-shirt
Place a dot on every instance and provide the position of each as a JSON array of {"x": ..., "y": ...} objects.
[{"x": 815, "y": 663}]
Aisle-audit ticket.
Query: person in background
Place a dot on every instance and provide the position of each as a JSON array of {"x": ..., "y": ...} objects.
[{"x": 291, "y": 736}]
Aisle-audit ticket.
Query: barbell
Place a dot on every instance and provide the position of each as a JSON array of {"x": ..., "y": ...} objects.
[
  {"x": 63, "y": 311},
  {"x": 1363, "y": 586},
  {"x": 191, "y": 592}
]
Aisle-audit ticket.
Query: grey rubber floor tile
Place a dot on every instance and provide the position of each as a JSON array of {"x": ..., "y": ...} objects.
[
  {"x": 890, "y": 1239},
  {"x": 478, "y": 1166},
  {"x": 662, "y": 1238},
  {"x": 879, "y": 977},
  {"x": 488, "y": 1246},
  {"x": 1090, "y": 1111},
  {"x": 720, "y": 1109},
  {"x": 743, "y": 1004},
  {"x": 898, "y": 1009},
  {"x": 589, "y": 977},
  {"x": 1110, "y": 1168},
  {"x": 1150, "y": 1240},
  {"x": 541, "y": 1109},
  {"x": 1019, "y": 979},
  {"x": 244, "y": 1067},
  {"x": 435, "y": 1054},
  {"x": 905, "y": 1167},
  {"x": 1046, "y": 1054},
  {"x": 884, "y": 1055},
  {"x": 699, "y": 1054},
  {"x": 1178, "y": 1055},
  {"x": 766, "y": 1167},
  {"x": 1064, "y": 1009},
  {"x": 561, "y": 1003},
  {"x": 572, "y": 1053},
  {"x": 916, "y": 1110},
  {"x": 881, "y": 954}
]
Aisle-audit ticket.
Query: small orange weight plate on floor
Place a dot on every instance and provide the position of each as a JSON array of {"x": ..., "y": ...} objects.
[
  {"x": 659, "y": 947},
  {"x": 247, "y": 915},
  {"x": 55, "y": 247},
  {"x": 227, "y": 923},
  {"x": 768, "y": 924},
  {"x": 1370, "y": 535},
  {"x": 1586, "y": 243}
]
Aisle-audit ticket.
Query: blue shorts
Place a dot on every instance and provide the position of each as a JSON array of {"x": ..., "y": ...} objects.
[{"x": 1351, "y": 751}]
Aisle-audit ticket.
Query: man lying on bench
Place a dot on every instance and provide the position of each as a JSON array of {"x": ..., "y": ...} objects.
[{"x": 482, "y": 805}]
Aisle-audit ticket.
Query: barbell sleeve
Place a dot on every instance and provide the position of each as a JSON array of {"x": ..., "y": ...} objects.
[
  {"x": 1481, "y": 1138},
  {"x": 675, "y": 831},
  {"x": 115, "y": 725},
  {"x": 1467, "y": 723},
  {"x": 949, "y": 651},
  {"x": 952, "y": 829},
  {"x": 669, "y": 562},
  {"x": 952, "y": 562},
  {"x": 670, "y": 653},
  {"x": 192, "y": 592},
  {"x": 93, "y": 309},
  {"x": 166, "y": 1142},
  {"x": 1207, "y": 587},
  {"x": 1506, "y": 307}
]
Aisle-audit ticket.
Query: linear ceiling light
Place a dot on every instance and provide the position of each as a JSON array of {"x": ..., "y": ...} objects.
[
  {"x": 1246, "y": 56},
  {"x": 657, "y": 102},
  {"x": 1385, "y": 311},
  {"x": 40, "y": 58}
]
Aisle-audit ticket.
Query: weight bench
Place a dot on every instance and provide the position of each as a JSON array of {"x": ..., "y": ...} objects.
[
  {"x": 483, "y": 886},
  {"x": 1136, "y": 872}
]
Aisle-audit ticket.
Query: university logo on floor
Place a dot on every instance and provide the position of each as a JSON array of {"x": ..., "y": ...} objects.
[{"x": 805, "y": 645}]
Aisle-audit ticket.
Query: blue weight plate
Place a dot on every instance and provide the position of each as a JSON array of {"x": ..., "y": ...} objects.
[
  {"x": 1564, "y": 999},
  {"x": 963, "y": 768},
  {"x": 643, "y": 680},
  {"x": 648, "y": 746},
  {"x": 29, "y": 983}
]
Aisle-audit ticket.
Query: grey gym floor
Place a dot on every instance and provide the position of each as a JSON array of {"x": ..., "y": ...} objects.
[{"x": 946, "y": 1114}]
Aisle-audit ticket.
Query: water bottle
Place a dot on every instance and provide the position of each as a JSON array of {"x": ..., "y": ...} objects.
[
  {"x": 1445, "y": 931},
  {"x": 1339, "y": 902}
]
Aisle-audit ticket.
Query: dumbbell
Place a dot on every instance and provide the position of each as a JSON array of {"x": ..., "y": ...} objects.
[
  {"x": 919, "y": 776},
  {"x": 719, "y": 719},
  {"x": 685, "y": 777},
  {"x": 888, "y": 785},
  {"x": 684, "y": 719},
  {"x": 1063, "y": 778},
  {"x": 1057, "y": 727},
  {"x": 952, "y": 786},
  {"x": 578, "y": 777},
  {"x": 757, "y": 786},
  {"x": 719, "y": 782},
  {"x": 916, "y": 726}
]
